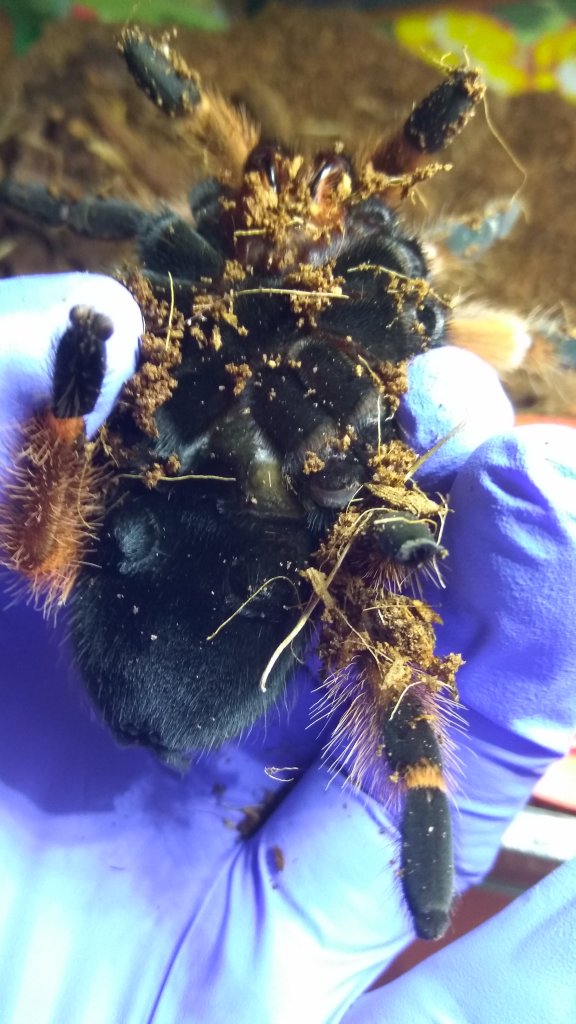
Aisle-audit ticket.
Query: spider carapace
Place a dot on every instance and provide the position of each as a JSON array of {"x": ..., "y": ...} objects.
[{"x": 250, "y": 489}]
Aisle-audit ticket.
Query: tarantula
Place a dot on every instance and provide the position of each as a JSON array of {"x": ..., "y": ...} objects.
[{"x": 251, "y": 485}]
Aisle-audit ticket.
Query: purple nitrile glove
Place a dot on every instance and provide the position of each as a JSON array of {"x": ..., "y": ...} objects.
[
  {"x": 127, "y": 894},
  {"x": 518, "y": 968}
]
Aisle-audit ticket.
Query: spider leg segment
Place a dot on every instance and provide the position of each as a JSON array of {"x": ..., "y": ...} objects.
[
  {"x": 169, "y": 245},
  {"x": 406, "y": 539},
  {"x": 164, "y": 78},
  {"x": 54, "y": 493},
  {"x": 413, "y": 753},
  {"x": 166, "y": 242},
  {"x": 90, "y": 216},
  {"x": 431, "y": 126},
  {"x": 80, "y": 364},
  {"x": 223, "y": 133}
]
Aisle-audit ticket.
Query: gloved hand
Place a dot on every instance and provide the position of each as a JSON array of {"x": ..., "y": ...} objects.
[{"x": 128, "y": 893}]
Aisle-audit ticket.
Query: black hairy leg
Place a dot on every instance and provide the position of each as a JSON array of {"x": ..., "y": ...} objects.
[
  {"x": 80, "y": 364},
  {"x": 413, "y": 752},
  {"x": 252, "y": 488}
]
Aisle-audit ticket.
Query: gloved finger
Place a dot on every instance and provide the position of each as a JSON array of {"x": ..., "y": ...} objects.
[
  {"x": 510, "y": 599},
  {"x": 34, "y": 313},
  {"x": 455, "y": 397},
  {"x": 509, "y": 607},
  {"x": 518, "y": 968}
]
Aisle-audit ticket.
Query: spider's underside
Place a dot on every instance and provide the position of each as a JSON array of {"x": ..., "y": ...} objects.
[{"x": 252, "y": 471}]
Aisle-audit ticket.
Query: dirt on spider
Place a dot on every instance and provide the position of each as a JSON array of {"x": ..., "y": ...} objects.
[{"x": 72, "y": 117}]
